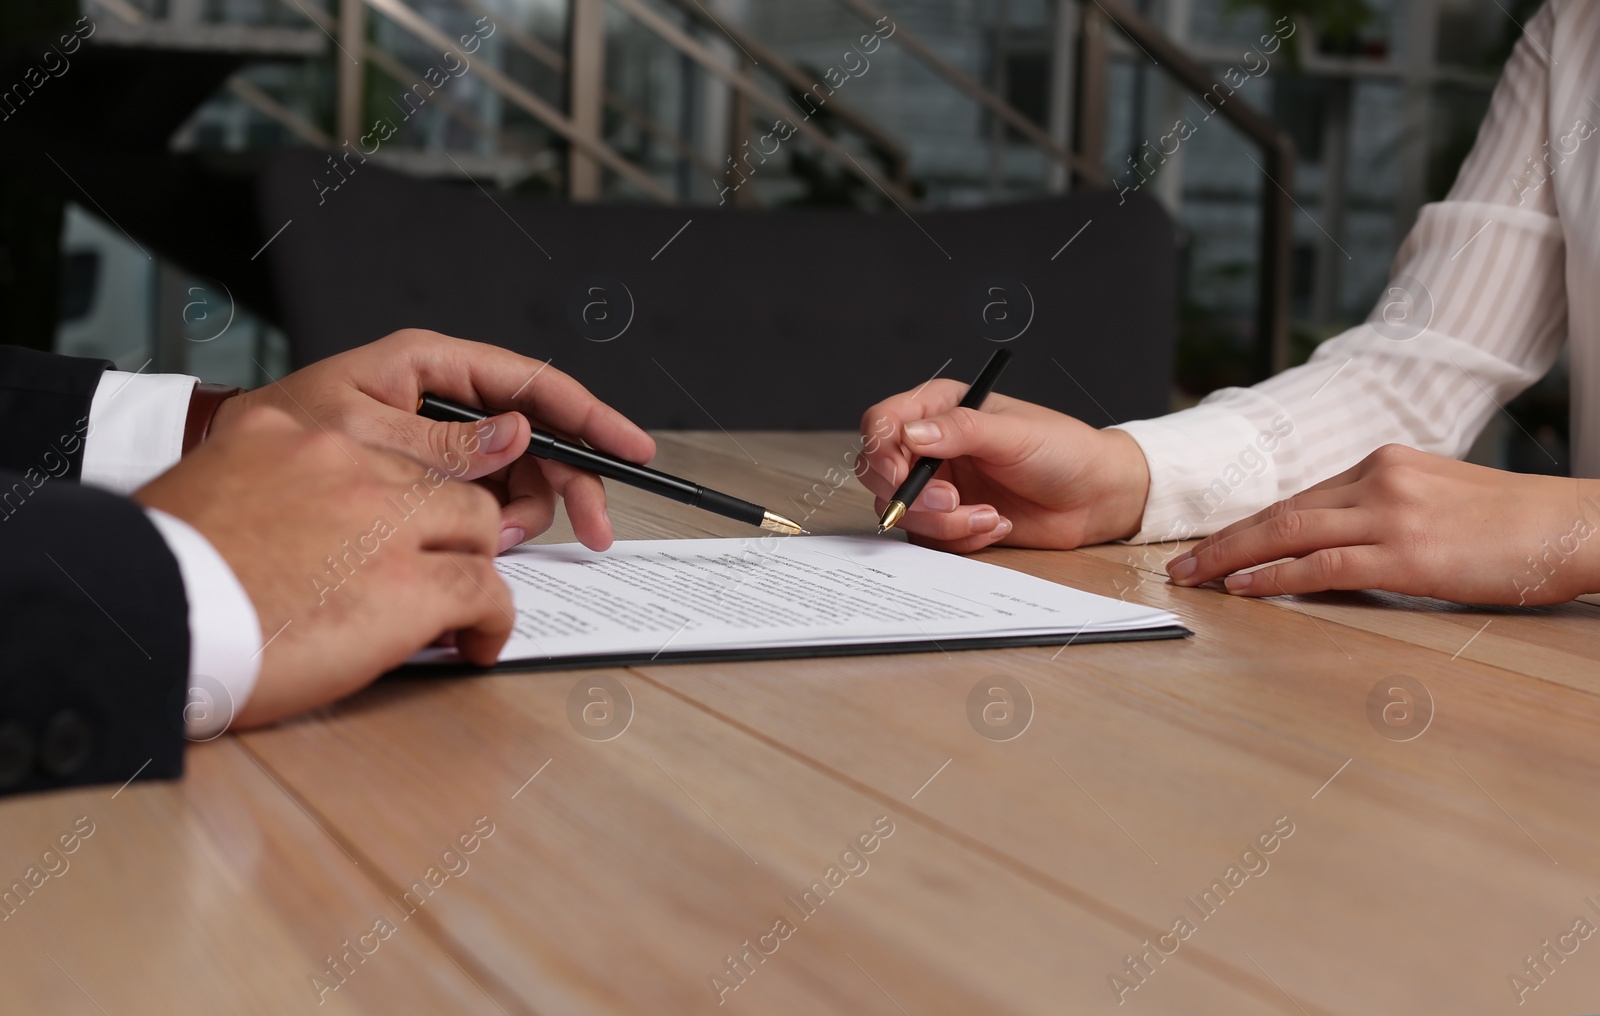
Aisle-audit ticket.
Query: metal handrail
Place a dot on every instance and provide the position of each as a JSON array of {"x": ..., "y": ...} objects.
[
  {"x": 251, "y": 94},
  {"x": 1272, "y": 304},
  {"x": 1276, "y": 235},
  {"x": 407, "y": 18},
  {"x": 396, "y": 69},
  {"x": 557, "y": 62},
  {"x": 1087, "y": 170},
  {"x": 879, "y": 140},
  {"x": 392, "y": 66},
  {"x": 889, "y": 149},
  {"x": 746, "y": 86},
  {"x": 243, "y": 89},
  {"x": 1085, "y": 162}
]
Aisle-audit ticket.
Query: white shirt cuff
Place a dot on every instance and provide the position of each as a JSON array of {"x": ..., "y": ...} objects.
[
  {"x": 1209, "y": 467},
  {"x": 135, "y": 430},
  {"x": 224, "y": 632}
]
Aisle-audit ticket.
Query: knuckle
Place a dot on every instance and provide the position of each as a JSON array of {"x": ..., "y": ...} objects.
[
  {"x": 492, "y": 581},
  {"x": 964, "y": 422},
  {"x": 439, "y": 440},
  {"x": 1391, "y": 455},
  {"x": 460, "y": 581},
  {"x": 1397, "y": 481},
  {"x": 477, "y": 509},
  {"x": 391, "y": 466},
  {"x": 1287, "y": 526},
  {"x": 876, "y": 425},
  {"x": 482, "y": 503},
  {"x": 321, "y": 448},
  {"x": 407, "y": 337},
  {"x": 494, "y": 589},
  {"x": 1327, "y": 565}
]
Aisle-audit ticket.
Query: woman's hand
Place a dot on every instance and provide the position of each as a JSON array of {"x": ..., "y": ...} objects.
[
  {"x": 371, "y": 394},
  {"x": 1015, "y": 473},
  {"x": 1415, "y": 523}
]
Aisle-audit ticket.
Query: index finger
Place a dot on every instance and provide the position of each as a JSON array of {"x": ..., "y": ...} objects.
[
  {"x": 502, "y": 380},
  {"x": 1242, "y": 544},
  {"x": 881, "y": 425},
  {"x": 937, "y": 396}
]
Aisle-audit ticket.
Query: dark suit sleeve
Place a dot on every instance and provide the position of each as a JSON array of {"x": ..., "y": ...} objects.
[
  {"x": 44, "y": 411},
  {"x": 94, "y": 632}
]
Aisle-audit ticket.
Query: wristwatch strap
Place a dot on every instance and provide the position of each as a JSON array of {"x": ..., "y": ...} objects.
[{"x": 203, "y": 405}]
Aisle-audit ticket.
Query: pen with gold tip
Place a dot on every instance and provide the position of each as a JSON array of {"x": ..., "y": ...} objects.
[
  {"x": 545, "y": 445},
  {"x": 924, "y": 469}
]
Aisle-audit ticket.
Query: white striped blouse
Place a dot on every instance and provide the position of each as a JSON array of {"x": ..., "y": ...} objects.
[{"x": 1485, "y": 288}]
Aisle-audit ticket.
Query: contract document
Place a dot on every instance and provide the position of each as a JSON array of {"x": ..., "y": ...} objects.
[{"x": 770, "y": 597}]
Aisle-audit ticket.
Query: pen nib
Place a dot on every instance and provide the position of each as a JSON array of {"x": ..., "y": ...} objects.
[
  {"x": 781, "y": 524},
  {"x": 892, "y": 514}
]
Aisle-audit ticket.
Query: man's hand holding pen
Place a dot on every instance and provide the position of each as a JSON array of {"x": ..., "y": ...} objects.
[{"x": 370, "y": 393}]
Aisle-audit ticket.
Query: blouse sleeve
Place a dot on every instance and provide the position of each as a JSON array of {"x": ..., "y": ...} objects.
[{"x": 1474, "y": 313}]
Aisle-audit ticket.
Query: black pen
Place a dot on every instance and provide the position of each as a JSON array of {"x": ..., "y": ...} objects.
[
  {"x": 545, "y": 445},
  {"x": 923, "y": 471}
]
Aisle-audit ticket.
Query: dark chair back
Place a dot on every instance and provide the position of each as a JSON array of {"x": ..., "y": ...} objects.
[{"x": 700, "y": 317}]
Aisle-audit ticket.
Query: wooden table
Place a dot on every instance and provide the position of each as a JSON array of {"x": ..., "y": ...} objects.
[{"x": 619, "y": 875}]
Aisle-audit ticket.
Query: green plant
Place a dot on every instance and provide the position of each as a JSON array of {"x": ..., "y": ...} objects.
[{"x": 1338, "y": 23}]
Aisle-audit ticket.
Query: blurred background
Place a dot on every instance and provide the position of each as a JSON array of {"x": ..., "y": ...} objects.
[{"x": 928, "y": 104}]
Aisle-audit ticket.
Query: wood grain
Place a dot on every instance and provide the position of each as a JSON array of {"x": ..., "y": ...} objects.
[
  {"x": 1020, "y": 874},
  {"x": 1556, "y": 643},
  {"x": 213, "y": 894}
]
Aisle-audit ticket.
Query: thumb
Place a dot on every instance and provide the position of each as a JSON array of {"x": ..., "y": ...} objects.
[
  {"x": 996, "y": 437},
  {"x": 468, "y": 450}
]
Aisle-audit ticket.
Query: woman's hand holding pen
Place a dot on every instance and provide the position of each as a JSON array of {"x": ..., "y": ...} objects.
[
  {"x": 1030, "y": 477},
  {"x": 371, "y": 394}
]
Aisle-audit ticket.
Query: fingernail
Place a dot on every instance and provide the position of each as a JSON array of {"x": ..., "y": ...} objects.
[
  {"x": 983, "y": 520},
  {"x": 1002, "y": 528},
  {"x": 922, "y": 431},
  {"x": 1181, "y": 568},
  {"x": 510, "y": 537},
  {"x": 495, "y": 434},
  {"x": 939, "y": 499},
  {"x": 1239, "y": 583}
]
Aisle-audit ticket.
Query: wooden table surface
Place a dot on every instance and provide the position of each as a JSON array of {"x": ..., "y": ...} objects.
[{"x": 1414, "y": 868}]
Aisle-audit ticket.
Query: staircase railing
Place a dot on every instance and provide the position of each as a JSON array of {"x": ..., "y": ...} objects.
[
  {"x": 1081, "y": 157},
  {"x": 391, "y": 65},
  {"x": 747, "y": 87},
  {"x": 558, "y": 63},
  {"x": 1275, "y": 233},
  {"x": 1271, "y": 353},
  {"x": 880, "y": 141}
]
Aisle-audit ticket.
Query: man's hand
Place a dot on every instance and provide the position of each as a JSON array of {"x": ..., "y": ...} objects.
[
  {"x": 1015, "y": 473},
  {"x": 371, "y": 393},
  {"x": 1410, "y": 522},
  {"x": 354, "y": 557}
]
